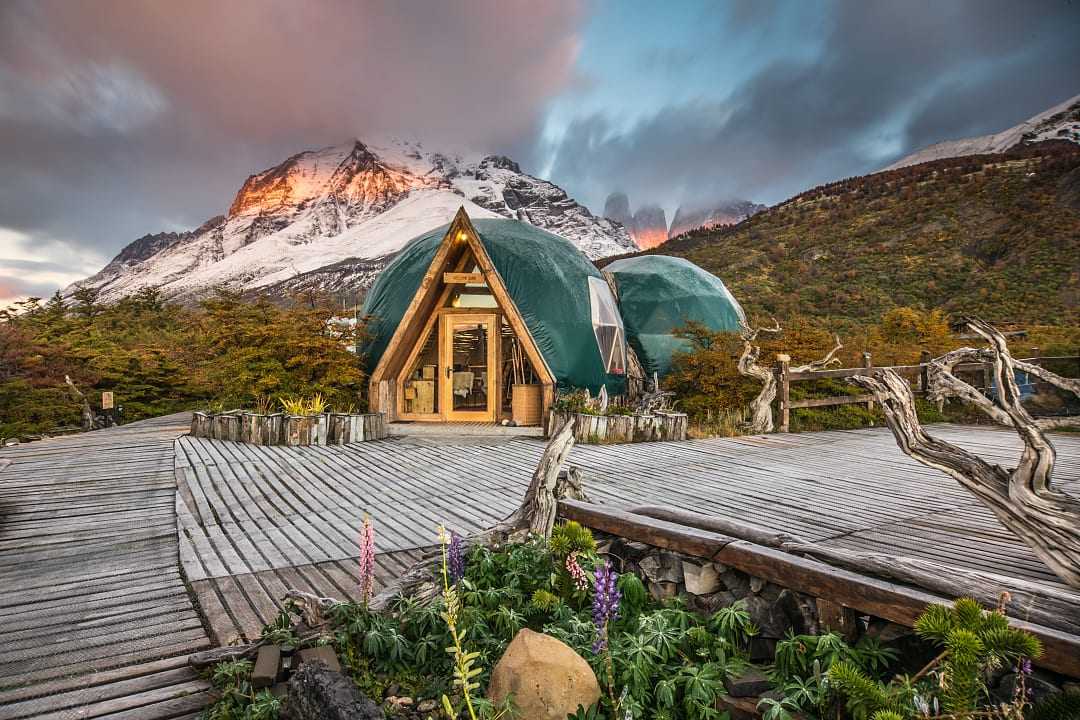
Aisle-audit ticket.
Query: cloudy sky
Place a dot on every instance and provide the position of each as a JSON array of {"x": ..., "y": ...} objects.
[{"x": 120, "y": 118}]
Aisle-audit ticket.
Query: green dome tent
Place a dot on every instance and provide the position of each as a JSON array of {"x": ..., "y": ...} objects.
[
  {"x": 559, "y": 294},
  {"x": 658, "y": 294}
]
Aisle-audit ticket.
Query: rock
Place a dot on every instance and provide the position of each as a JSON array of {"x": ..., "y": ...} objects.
[
  {"x": 768, "y": 615},
  {"x": 662, "y": 567},
  {"x": 700, "y": 579},
  {"x": 762, "y": 650},
  {"x": 319, "y": 693},
  {"x": 663, "y": 590},
  {"x": 428, "y": 705},
  {"x": 887, "y": 632},
  {"x": 749, "y": 683},
  {"x": 800, "y": 619},
  {"x": 1038, "y": 687},
  {"x": 629, "y": 551},
  {"x": 756, "y": 585},
  {"x": 737, "y": 582},
  {"x": 322, "y": 653},
  {"x": 547, "y": 678},
  {"x": 265, "y": 673},
  {"x": 708, "y": 604}
]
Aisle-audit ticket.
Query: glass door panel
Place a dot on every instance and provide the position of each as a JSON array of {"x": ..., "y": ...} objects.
[{"x": 467, "y": 354}]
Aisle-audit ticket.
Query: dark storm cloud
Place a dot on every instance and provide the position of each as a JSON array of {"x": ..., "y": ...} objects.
[
  {"x": 119, "y": 118},
  {"x": 888, "y": 78}
]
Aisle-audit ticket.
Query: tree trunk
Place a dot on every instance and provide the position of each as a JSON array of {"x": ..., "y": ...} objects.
[
  {"x": 1022, "y": 498},
  {"x": 761, "y": 417},
  {"x": 87, "y": 413}
]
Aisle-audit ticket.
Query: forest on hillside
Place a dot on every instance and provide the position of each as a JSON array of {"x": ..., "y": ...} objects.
[
  {"x": 992, "y": 235},
  {"x": 159, "y": 357}
]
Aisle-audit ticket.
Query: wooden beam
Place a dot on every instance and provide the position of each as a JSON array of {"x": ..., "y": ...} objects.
[
  {"x": 463, "y": 278},
  {"x": 835, "y": 400},
  {"x": 672, "y": 536},
  {"x": 887, "y": 600}
]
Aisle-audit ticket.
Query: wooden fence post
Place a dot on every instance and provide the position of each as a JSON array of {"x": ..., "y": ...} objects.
[
  {"x": 866, "y": 363},
  {"x": 924, "y": 371},
  {"x": 784, "y": 383}
]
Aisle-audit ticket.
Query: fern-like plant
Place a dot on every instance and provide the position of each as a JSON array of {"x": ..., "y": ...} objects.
[{"x": 974, "y": 642}]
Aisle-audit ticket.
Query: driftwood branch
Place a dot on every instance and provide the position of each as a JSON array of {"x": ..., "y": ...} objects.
[
  {"x": 944, "y": 385},
  {"x": 84, "y": 404},
  {"x": 535, "y": 515},
  {"x": 761, "y": 418},
  {"x": 824, "y": 362},
  {"x": 1022, "y": 498}
]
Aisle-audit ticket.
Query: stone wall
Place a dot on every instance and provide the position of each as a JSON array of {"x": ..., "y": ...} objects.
[{"x": 776, "y": 610}]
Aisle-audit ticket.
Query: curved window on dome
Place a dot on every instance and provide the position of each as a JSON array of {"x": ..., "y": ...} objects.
[{"x": 608, "y": 327}]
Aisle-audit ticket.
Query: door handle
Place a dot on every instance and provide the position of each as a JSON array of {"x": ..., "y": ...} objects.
[{"x": 449, "y": 371}]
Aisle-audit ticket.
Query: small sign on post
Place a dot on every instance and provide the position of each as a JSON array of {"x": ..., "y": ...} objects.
[{"x": 107, "y": 400}]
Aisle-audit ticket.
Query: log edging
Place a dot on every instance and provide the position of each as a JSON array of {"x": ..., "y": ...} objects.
[
  {"x": 294, "y": 430},
  {"x": 609, "y": 429}
]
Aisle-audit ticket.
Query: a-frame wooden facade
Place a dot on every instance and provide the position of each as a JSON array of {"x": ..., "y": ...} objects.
[{"x": 461, "y": 260}]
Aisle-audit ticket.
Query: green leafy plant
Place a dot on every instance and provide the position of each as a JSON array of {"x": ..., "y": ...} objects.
[
  {"x": 973, "y": 641},
  {"x": 316, "y": 405},
  {"x": 293, "y": 405}
]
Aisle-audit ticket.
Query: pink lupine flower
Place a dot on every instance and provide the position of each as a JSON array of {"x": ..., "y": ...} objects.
[
  {"x": 367, "y": 560},
  {"x": 578, "y": 575}
]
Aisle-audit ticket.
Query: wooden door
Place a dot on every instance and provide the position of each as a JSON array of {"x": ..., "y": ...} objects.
[{"x": 470, "y": 377}]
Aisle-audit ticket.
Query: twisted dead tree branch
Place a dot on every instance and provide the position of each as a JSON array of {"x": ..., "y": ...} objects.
[
  {"x": 1022, "y": 498},
  {"x": 535, "y": 515},
  {"x": 824, "y": 362},
  {"x": 761, "y": 419},
  {"x": 84, "y": 405},
  {"x": 944, "y": 385}
]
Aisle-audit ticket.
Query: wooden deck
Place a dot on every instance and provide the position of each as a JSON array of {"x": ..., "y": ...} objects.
[
  {"x": 98, "y": 532},
  {"x": 246, "y": 510},
  {"x": 96, "y": 617}
]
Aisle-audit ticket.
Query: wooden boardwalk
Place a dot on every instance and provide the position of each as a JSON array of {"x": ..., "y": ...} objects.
[
  {"x": 246, "y": 510},
  {"x": 96, "y": 618},
  {"x": 99, "y": 532}
]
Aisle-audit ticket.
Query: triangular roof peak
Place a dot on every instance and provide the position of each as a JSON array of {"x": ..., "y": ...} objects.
[{"x": 433, "y": 292}]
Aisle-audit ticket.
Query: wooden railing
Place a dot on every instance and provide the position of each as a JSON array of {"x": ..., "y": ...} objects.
[{"x": 916, "y": 374}]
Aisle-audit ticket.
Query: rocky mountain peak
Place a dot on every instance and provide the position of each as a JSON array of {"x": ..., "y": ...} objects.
[
  {"x": 617, "y": 207},
  {"x": 727, "y": 212},
  {"x": 650, "y": 226},
  {"x": 347, "y": 209}
]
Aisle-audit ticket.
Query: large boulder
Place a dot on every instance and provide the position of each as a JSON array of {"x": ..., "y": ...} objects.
[
  {"x": 318, "y": 693},
  {"x": 547, "y": 678}
]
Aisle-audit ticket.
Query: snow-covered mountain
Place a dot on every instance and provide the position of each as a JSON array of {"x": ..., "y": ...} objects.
[
  {"x": 1061, "y": 122},
  {"x": 333, "y": 218}
]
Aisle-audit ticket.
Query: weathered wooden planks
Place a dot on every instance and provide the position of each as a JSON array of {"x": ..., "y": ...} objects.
[{"x": 90, "y": 592}]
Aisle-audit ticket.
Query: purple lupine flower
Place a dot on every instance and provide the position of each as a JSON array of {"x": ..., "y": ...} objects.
[
  {"x": 455, "y": 559},
  {"x": 605, "y": 603},
  {"x": 1025, "y": 667},
  {"x": 367, "y": 560}
]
